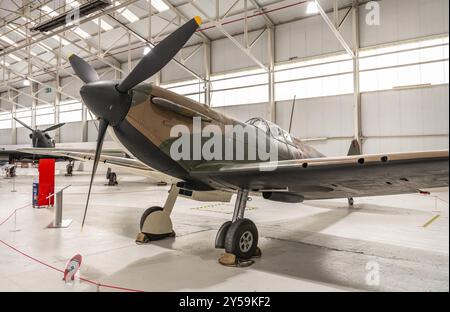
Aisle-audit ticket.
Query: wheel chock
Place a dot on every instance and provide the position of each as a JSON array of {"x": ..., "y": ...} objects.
[
  {"x": 141, "y": 239},
  {"x": 230, "y": 260},
  {"x": 258, "y": 253}
]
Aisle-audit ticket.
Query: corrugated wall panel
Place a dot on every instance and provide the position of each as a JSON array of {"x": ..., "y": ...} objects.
[{"x": 403, "y": 20}]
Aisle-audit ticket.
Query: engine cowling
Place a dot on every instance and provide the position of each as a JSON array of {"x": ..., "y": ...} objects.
[{"x": 283, "y": 197}]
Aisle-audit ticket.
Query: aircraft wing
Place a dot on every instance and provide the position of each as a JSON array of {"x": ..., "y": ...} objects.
[
  {"x": 338, "y": 177},
  {"x": 24, "y": 154},
  {"x": 7, "y": 155},
  {"x": 129, "y": 164}
]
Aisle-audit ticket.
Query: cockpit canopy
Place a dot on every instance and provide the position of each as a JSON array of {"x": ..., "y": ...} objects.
[{"x": 275, "y": 131}]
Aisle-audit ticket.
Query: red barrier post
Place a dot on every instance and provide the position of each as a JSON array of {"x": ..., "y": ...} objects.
[{"x": 46, "y": 182}]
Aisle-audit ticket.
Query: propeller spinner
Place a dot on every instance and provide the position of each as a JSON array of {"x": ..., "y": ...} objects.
[{"x": 110, "y": 101}]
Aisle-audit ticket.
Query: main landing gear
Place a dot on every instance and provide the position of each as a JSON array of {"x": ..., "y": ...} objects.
[
  {"x": 69, "y": 168},
  {"x": 351, "y": 201},
  {"x": 112, "y": 177},
  {"x": 238, "y": 237},
  {"x": 156, "y": 223}
]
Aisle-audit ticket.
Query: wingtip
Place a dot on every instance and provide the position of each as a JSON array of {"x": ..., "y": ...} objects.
[{"x": 198, "y": 20}]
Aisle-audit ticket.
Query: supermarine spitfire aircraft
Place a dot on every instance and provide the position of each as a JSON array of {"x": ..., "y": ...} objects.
[
  {"x": 140, "y": 117},
  {"x": 39, "y": 139}
]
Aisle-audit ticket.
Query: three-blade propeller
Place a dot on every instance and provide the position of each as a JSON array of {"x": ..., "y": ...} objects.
[
  {"x": 51, "y": 128},
  {"x": 110, "y": 101}
]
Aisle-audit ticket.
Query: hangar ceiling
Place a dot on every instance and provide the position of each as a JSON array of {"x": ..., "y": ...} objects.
[{"x": 120, "y": 32}]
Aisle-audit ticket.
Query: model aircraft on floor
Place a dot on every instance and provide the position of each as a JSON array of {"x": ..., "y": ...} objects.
[{"x": 141, "y": 116}]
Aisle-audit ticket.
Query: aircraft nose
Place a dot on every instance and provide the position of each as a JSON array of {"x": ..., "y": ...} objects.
[{"x": 105, "y": 101}]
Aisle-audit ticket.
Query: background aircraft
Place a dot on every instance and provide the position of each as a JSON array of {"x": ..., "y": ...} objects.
[
  {"x": 141, "y": 116},
  {"x": 39, "y": 139},
  {"x": 42, "y": 139}
]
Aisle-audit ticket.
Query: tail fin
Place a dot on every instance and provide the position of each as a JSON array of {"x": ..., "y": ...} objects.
[{"x": 354, "y": 149}]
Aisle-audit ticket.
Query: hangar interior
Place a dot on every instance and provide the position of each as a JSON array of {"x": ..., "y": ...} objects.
[{"x": 376, "y": 71}]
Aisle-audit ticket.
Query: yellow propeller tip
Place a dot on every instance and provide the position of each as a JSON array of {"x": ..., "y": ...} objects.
[
  {"x": 70, "y": 55},
  {"x": 198, "y": 20}
]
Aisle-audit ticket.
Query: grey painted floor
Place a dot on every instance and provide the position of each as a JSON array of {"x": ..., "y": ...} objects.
[{"x": 314, "y": 246}]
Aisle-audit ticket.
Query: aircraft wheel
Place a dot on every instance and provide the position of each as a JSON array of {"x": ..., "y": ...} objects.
[
  {"x": 147, "y": 213},
  {"x": 241, "y": 239},
  {"x": 221, "y": 234}
]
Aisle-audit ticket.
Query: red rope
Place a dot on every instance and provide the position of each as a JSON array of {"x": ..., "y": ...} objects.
[{"x": 55, "y": 268}]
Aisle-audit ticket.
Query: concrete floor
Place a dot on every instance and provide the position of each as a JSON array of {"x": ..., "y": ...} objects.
[{"x": 314, "y": 246}]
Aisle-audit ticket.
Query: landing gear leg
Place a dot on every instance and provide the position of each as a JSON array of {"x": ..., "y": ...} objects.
[
  {"x": 112, "y": 177},
  {"x": 351, "y": 201},
  {"x": 69, "y": 168},
  {"x": 239, "y": 237},
  {"x": 156, "y": 223}
]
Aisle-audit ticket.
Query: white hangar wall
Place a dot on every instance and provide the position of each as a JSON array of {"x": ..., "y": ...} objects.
[
  {"x": 405, "y": 19},
  {"x": 399, "y": 119}
]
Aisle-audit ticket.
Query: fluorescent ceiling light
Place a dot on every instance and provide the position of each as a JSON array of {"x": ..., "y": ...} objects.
[
  {"x": 147, "y": 49},
  {"x": 312, "y": 8},
  {"x": 80, "y": 32},
  {"x": 49, "y": 11},
  {"x": 73, "y": 4},
  {"x": 7, "y": 40},
  {"x": 159, "y": 5},
  {"x": 130, "y": 16},
  {"x": 104, "y": 25},
  {"x": 64, "y": 42},
  {"x": 4, "y": 63},
  {"x": 21, "y": 33},
  {"x": 15, "y": 58}
]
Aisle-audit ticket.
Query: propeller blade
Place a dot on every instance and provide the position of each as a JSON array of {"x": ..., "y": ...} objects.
[
  {"x": 54, "y": 127},
  {"x": 23, "y": 124},
  {"x": 102, "y": 127},
  {"x": 160, "y": 55},
  {"x": 83, "y": 69}
]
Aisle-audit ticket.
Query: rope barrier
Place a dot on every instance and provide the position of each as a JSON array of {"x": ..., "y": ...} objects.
[
  {"x": 12, "y": 214},
  {"x": 98, "y": 284}
]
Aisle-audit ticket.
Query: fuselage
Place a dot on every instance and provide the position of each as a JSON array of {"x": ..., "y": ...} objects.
[
  {"x": 41, "y": 139},
  {"x": 146, "y": 134}
]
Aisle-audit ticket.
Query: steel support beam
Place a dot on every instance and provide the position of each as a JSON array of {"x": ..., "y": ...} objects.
[
  {"x": 269, "y": 22},
  {"x": 34, "y": 102},
  {"x": 58, "y": 94},
  {"x": 240, "y": 46},
  {"x": 207, "y": 68},
  {"x": 271, "y": 73},
  {"x": 14, "y": 101},
  {"x": 334, "y": 30},
  {"x": 356, "y": 75},
  {"x": 145, "y": 40}
]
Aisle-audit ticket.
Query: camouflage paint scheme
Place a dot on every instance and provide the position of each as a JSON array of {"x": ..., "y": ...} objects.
[{"x": 145, "y": 133}]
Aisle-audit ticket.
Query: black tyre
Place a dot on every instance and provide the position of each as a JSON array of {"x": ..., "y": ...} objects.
[
  {"x": 221, "y": 234},
  {"x": 147, "y": 213},
  {"x": 113, "y": 178},
  {"x": 241, "y": 239}
]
